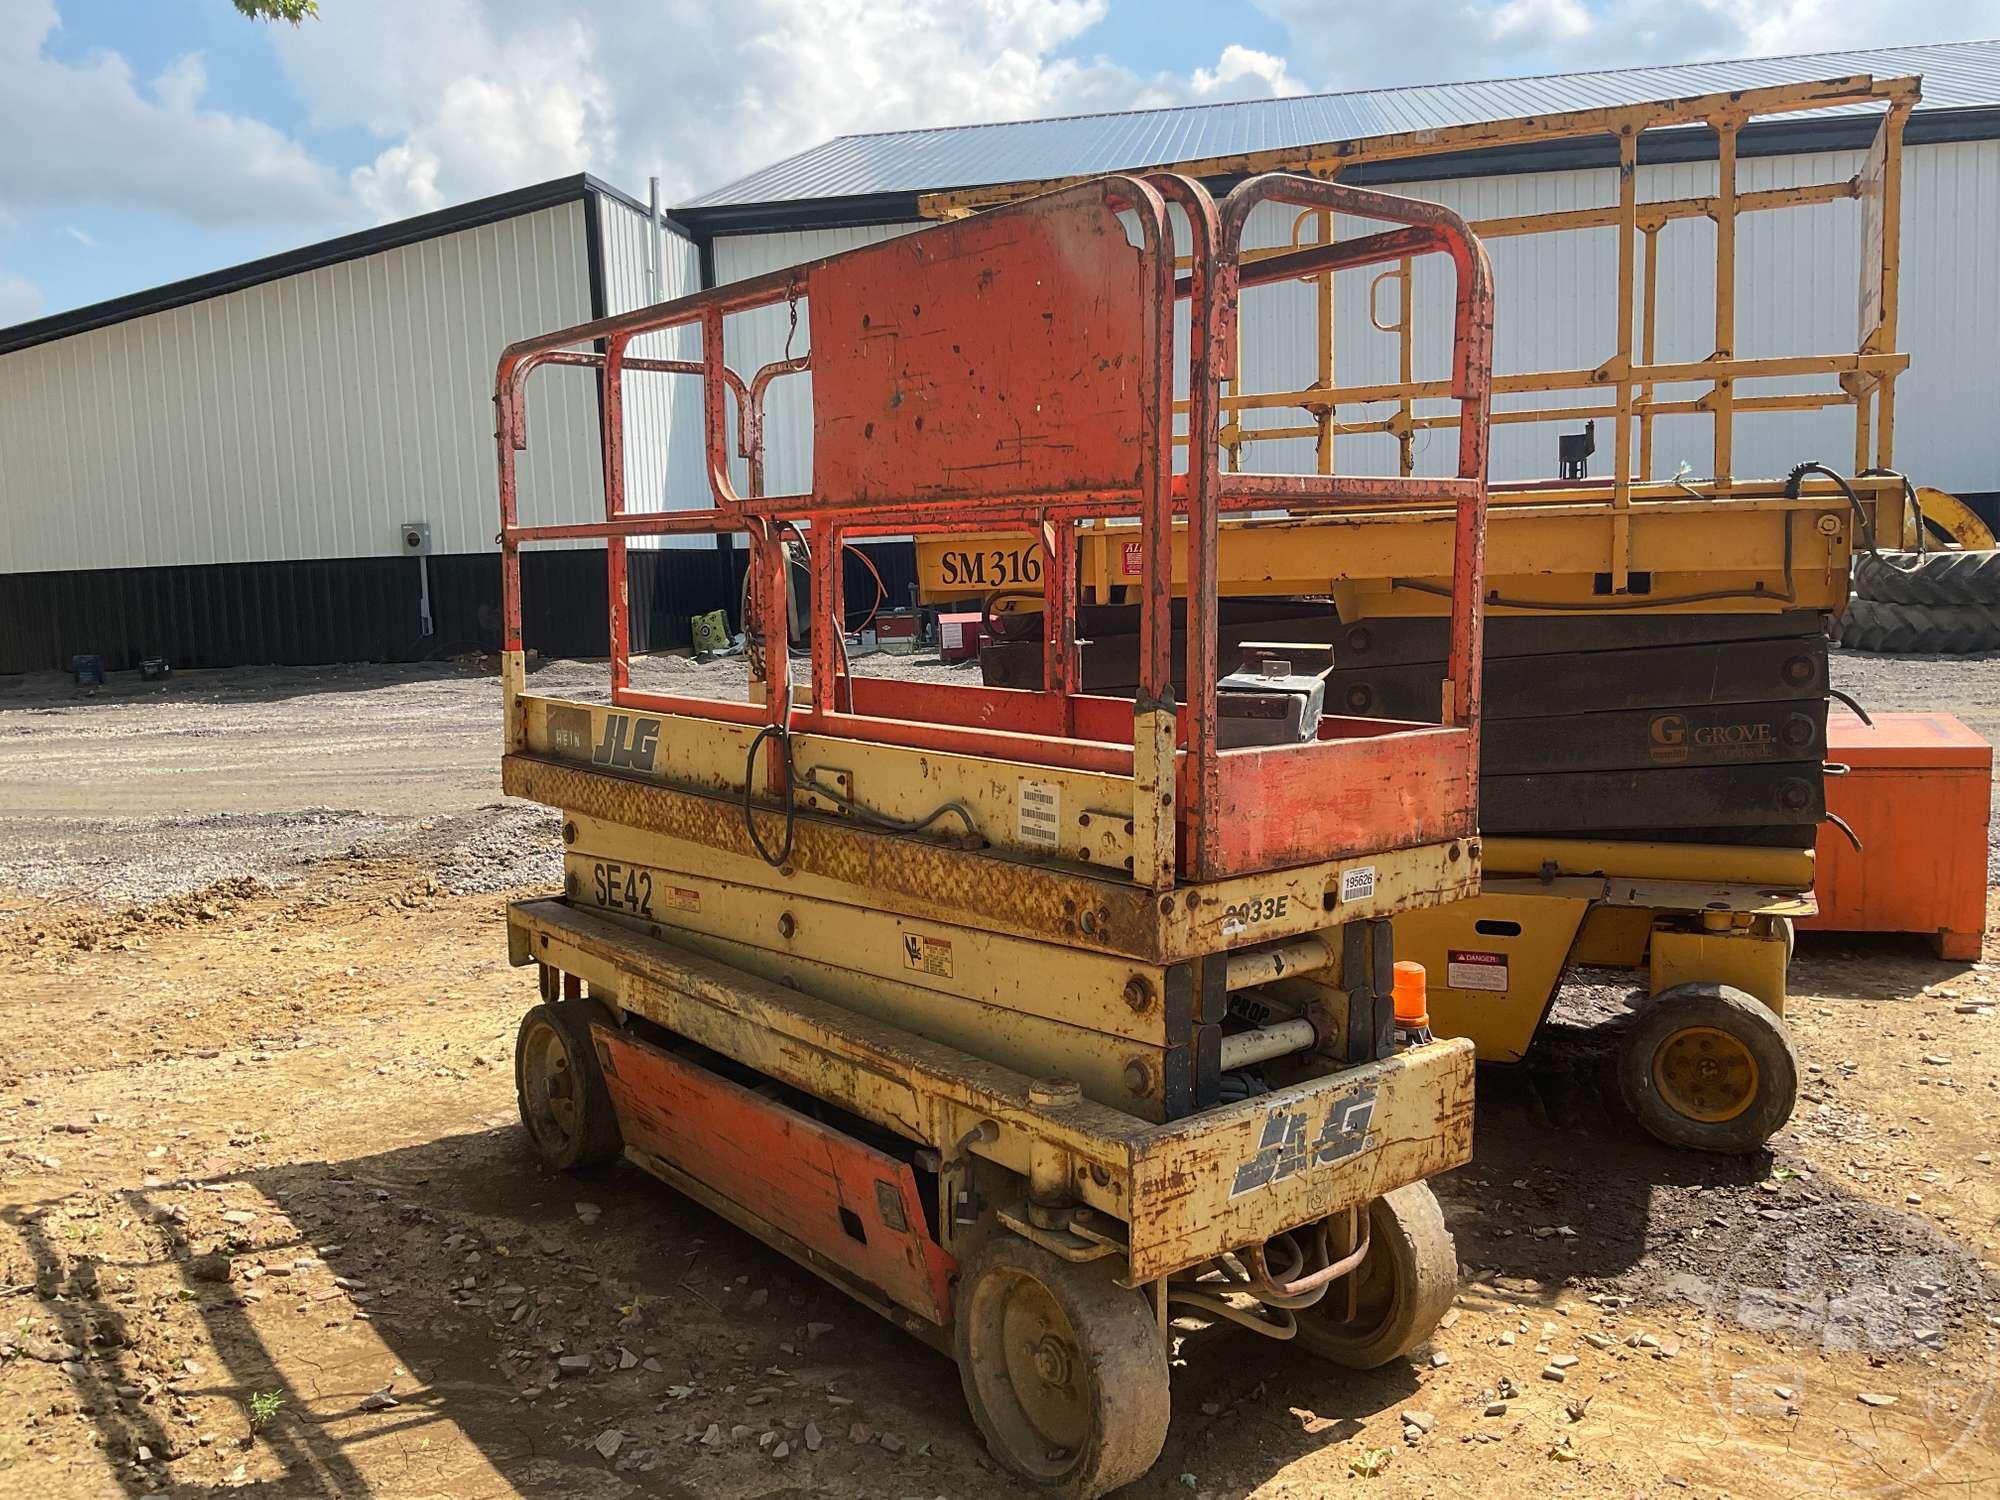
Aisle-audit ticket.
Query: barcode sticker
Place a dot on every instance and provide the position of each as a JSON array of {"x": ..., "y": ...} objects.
[
  {"x": 1038, "y": 813},
  {"x": 1357, "y": 884}
]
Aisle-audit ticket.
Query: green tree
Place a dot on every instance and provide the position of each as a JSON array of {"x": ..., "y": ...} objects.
[{"x": 293, "y": 11}]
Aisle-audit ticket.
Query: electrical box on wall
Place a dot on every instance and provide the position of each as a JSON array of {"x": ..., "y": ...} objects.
[{"x": 416, "y": 537}]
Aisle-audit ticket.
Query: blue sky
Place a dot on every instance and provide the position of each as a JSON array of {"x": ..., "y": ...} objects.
[{"x": 151, "y": 140}]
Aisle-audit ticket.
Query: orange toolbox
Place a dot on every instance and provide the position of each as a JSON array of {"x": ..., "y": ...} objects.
[{"x": 1918, "y": 794}]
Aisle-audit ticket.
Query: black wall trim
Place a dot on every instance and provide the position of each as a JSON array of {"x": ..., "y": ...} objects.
[
  {"x": 593, "y": 251},
  {"x": 445, "y": 221},
  {"x": 365, "y": 609},
  {"x": 1687, "y": 143},
  {"x": 802, "y": 213}
]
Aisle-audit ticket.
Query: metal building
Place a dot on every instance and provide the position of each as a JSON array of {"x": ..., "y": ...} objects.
[
  {"x": 225, "y": 470},
  {"x": 292, "y": 461}
]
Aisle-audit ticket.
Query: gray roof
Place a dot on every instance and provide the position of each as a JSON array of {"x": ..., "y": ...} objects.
[{"x": 1956, "y": 75}]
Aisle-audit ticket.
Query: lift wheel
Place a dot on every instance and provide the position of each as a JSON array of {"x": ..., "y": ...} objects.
[
  {"x": 1708, "y": 1068},
  {"x": 1405, "y": 1285},
  {"x": 1065, "y": 1371},
  {"x": 560, "y": 1087}
]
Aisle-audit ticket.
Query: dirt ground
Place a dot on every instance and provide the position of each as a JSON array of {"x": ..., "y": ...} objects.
[{"x": 270, "y": 1223}]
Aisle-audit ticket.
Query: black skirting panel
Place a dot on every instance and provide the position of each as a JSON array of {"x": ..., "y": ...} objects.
[{"x": 365, "y": 609}]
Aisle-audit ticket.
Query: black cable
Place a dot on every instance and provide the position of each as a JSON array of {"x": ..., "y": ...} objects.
[
  {"x": 881, "y": 820},
  {"x": 1866, "y": 522},
  {"x": 1909, "y": 498},
  {"x": 1858, "y": 711},
  {"x": 784, "y": 737}
]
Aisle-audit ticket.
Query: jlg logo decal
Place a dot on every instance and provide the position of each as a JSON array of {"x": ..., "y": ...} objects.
[
  {"x": 628, "y": 743},
  {"x": 1284, "y": 1149}
]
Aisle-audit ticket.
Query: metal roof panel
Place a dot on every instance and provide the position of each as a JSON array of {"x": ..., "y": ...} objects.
[{"x": 1957, "y": 75}]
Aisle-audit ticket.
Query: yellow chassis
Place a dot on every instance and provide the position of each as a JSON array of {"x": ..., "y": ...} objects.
[
  {"x": 1680, "y": 913},
  {"x": 1167, "y": 1193},
  {"x": 925, "y": 987},
  {"x": 1756, "y": 547}
]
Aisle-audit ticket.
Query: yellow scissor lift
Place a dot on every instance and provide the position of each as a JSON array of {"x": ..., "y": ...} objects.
[
  {"x": 946, "y": 991},
  {"x": 1706, "y": 919}
]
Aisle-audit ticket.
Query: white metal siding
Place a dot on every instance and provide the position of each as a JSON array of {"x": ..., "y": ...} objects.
[
  {"x": 307, "y": 417},
  {"x": 663, "y": 413},
  {"x": 1797, "y": 274},
  {"x": 1945, "y": 432},
  {"x": 757, "y": 338}
]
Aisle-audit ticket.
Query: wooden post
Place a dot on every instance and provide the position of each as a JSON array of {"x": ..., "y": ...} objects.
[
  {"x": 1723, "y": 395},
  {"x": 1621, "y": 479}
]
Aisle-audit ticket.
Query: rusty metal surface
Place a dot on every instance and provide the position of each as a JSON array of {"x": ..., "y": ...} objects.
[
  {"x": 1189, "y": 1190},
  {"x": 1471, "y": 376},
  {"x": 1033, "y": 900},
  {"x": 1019, "y": 368},
  {"x": 1101, "y": 913},
  {"x": 794, "y": 1173},
  {"x": 1002, "y": 356},
  {"x": 1239, "y": 1174}
]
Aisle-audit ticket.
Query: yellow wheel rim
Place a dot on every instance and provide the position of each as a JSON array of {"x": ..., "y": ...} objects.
[{"x": 1705, "y": 1074}]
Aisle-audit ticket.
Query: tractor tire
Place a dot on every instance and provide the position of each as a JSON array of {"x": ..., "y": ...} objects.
[
  {"x": 1929, "y": 579},
  {"x": 1910, "y": 629}
]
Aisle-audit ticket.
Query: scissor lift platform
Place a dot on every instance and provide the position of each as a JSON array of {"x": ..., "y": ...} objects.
[{"x": 1023, "y": 1016}]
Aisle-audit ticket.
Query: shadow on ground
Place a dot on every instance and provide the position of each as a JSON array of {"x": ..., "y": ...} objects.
[{"x": 475, "y": 1272}]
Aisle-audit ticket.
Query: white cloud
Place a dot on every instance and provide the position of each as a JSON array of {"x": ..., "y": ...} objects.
[
  {"x": 1545, "y": 20},
  {"x": 1760, "y": 27},
  {"x": 1369, "y": 46},
  {"x": 82, "y": 236},
  {"x": 473, "y": 97},
  {"x": 88, "y": 132},
  {"x": 1244, "y": 73},
  {"x": 469, "y": 97},
  {"x": 478, "y": 96},
  {"x": 20, "y": 299}
]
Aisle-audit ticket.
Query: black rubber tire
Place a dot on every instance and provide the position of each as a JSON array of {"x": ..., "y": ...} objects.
[
  {"x": 1910, "y": 629},
  {"x": 1929, "y": 578},
  {"x": 1719, "y": 1007},
  {"x": 1409, "y": 1277},
  {"x": 1110, "y": 1352},
  {"x": 591, "y": 1136}
]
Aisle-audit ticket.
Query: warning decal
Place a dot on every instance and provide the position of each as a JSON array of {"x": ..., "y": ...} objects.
[
  {"x": 927, "y": 955},
  {"x": 1038, "y": 813},
  {"x": 1471, "y": 970}
]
